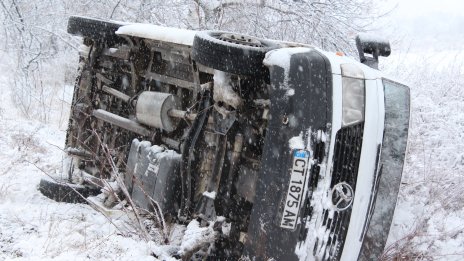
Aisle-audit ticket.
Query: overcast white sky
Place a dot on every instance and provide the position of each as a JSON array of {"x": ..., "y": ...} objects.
[{"x": 436, "y": 25}]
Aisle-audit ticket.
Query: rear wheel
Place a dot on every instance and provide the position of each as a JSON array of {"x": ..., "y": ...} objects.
[
  {"x": 94, "y": 28},
  {"x": 232, "y": 53}
]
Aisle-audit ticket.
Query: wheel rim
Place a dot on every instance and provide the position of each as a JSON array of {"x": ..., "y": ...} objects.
[{"x": 239, "y": 39}]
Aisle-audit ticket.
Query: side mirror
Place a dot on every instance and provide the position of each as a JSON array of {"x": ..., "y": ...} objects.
[{"x": 374, "y": 45}]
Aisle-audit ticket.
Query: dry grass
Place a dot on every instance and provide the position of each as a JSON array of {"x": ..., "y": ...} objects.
[{"x": 4, "y": 189}]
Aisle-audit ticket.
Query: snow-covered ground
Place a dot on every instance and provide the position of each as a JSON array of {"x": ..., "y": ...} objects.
[
  {"x": 33, "y": 227},
  {"x": 428, "y": 225}
]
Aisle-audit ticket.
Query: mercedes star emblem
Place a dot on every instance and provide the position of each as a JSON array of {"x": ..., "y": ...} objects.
[{"x": 342, "y": 196}]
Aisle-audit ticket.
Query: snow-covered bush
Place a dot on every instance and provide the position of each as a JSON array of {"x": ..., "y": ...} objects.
[{"x": 430, "y": 212}]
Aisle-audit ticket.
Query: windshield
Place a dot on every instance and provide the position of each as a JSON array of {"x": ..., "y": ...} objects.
[{"x": 388, "y": 179}]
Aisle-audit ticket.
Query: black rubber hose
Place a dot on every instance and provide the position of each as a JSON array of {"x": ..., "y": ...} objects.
[{"x": 188, "y": 155}]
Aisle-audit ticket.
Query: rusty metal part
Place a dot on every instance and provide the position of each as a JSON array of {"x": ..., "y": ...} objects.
[{"x": 116, "y": 93}]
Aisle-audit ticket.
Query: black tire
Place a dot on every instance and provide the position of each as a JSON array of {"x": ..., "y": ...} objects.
[
  {"x": 232, "y": 53},
  {"x": 62, "y": 191},
  {"x": 94, "y": 28}
]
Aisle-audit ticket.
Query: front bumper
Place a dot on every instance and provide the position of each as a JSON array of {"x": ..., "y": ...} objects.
[{"x": 301, "y": 109}]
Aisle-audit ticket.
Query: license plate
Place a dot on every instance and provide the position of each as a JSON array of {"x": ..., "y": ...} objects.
[{"x": 296, "y": 187}]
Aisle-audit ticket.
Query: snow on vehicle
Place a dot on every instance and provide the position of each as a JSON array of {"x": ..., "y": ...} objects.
[{"x": 279, "y": 151}]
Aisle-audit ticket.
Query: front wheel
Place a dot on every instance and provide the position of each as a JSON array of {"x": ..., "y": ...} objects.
[{"x": 231, "y": 52}]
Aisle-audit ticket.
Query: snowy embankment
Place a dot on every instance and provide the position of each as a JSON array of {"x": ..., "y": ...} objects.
[{"x": 33, "y": 227}]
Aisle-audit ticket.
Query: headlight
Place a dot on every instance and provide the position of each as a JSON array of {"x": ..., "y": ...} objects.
[{"x": 353, "y": 94}]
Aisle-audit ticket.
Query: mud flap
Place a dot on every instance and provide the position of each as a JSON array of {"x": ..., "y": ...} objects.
[
  {"x": 301, "y": 104},
  {"x": 63, "y": 191}
]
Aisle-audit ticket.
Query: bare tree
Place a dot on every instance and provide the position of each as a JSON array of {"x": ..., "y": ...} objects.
[
  {"x": 330, "y": 24},
  {"x": 34, "y": 32}
]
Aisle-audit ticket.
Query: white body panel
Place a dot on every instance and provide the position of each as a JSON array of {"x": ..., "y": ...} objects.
[
  {"x": 372, "y": 138},
  {"x": 160, "y": 33},
  {"x": 366, "y": 173}
]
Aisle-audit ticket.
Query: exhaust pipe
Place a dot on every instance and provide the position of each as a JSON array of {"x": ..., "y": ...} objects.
[{"x": 122, "y": 122}]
